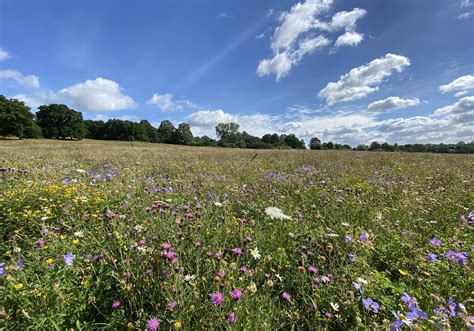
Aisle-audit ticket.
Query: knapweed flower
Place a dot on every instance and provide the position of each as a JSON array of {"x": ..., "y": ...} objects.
[
  {"x": 243, "y": 269},
  {"x": 431, "y": 257},
  {"x": 255, "y": 253},
  {"x": 410, "y": 302},
  {"x": 364, "y": 236},
  {"x": 416, "y": 315},
  {"x": 236, "y": 294},
  {"x": 116, "y": 304},
  {"x": 435, "y": 242},
  {"x": 217, "y": 298},
  {"x": 370, "y": 305},
  {"x": 312, "y": 270},
  {"x": 232, "y": 318},
  {"x": 237, "y": 251},
  {"x": 171, "y": 306},
  {"x": 153, "y": 324},
  {"x": 286, "y": 296},
  {"x": 69, "y": 259}
]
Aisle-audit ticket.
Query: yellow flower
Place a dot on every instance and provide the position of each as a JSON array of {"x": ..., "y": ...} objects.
[
  {"x": 403, "y": 272},
  {"x": 178, "y": 325},
  {"x": 48, "y": 261},
  {"x": 75, "y": 241},
  {"x": 18, "y": 286}
]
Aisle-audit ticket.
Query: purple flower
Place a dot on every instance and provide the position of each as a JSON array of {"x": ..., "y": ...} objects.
[
  {"x": 460, "y": 257},
  {"x": 364, "y": 236},
  {"x": 348, "y": 239},
  {"x": 312, "y": 270},
  {"x": 416, "y": 315},
  {"x": 153, "y": 324},
  {"x": 358, "y": 287},
  {"x": 116, "y": 304},
  {"x": 351, "y": 257},
  {"x": 237, "y": 251},
  {"x": 236, "y": 294},
  {"x": 166, "y": 245},
  {"x": 286, "y": 296},
  {"x": 243, "y": 269},
  {"x": 410, "y": 302},
  {"x": 68, "y": 259},
  {"x": 3, "y": 265},
  {"x": 435, "y": 242},
  {"x": 41, "y": 243},
  {"x": 232, "y": 318},
  {"x": 431, "y": 257},
  {"x": 221, "y": 274},
  {"x": 371, "y": 305},
  {"x": 217, "y": 298},
  {"x": 452, "y": 307},
  {"x": 171, "y": 306},
  {"x": 396, "y": 325}
]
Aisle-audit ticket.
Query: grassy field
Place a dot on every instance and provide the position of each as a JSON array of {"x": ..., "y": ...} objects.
[{"x": 119, "y": 235}]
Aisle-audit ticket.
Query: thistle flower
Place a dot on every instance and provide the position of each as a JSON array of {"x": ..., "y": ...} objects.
[
  {"x": 116, "y": 304},
  {"x": 237, "y": 251},
  {"x": 171, "y": 306},
  {"x": 153, "y": 324},
  {"x": 232, "y": 318},
  {"x": 217, "y": 298},
  {"x": 236, "y": 294},
  {"x": 286, "y": 296},
  {"x": 312, "y": 270}
]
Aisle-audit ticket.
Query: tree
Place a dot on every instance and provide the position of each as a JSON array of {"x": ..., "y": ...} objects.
[
  {"x": 362, "y": 148},
  {"x": 59, "y": 121},
  {"x": 16, "y": 119},
  {"x": 226, "y": 130},
  {"x": 330, "y": 145},
  {"x": 374, "y": 146},
  {"x": 315, "y": 143},
  {"x": 165, "y": 132},
  {"x": 150, "y": 131},
  {"x": 94, "y": 129},
  {"x": 182, "y": 135}
]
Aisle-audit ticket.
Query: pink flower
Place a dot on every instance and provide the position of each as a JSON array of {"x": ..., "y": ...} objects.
[
  {"x": 232, "y": 318},
  {"x": 237, "y": 251},
  {"x": 243, "y": 269},
  {"x": 172, "y": 305},
  {"x": 166, "y": 245},
  {"x": 286, "y": 296},
  {"x": 236, "y": 294},
  {"x": 116, "y": 304},
  {"x": 217, "y": 298},
  {"x": 153, "y": 324},
  {"x": 312, "y": 270}
]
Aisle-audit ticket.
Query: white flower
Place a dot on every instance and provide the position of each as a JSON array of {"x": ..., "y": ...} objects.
[
  {"x": 334, "y": 306},
  {"x": 17, "y": 250},
  {"x": 255, "y": 253},
  {"x": 280, "y": 278},
  {"x": 189, "y": 278},
  {"x": 332, "y": 235},
  {"x": 276, "y": 213},
  {"x": 44, "y": 218},
  {"x": 79, "y": 234},
  {"x": 218, "y": 204},
  {"x": 81, "y": 171},
  {"x": 362, "y": 280}
]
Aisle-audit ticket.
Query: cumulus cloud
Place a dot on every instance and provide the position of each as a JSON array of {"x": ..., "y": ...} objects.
[
  {"x": 463, "y": 84},
  {"x": 391, "y": 104},
  {"x": 165, "y": 103},
  {"x": 97, "y": 95},
  {"x": 297, "y": 23},
  {"x": 37, "y": 99},
  {"x": 29, "y": 81},
  {"x": 4, "y": 54},
  {"x": 363, "y": 80},
  {"x": 461, "y": 111}
]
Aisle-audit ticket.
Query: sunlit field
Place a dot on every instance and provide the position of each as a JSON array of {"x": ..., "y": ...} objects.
[{"x": 144, "y": 236}]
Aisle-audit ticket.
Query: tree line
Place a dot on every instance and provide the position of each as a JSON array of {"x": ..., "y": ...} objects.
[{"x": 60, "y": 122}]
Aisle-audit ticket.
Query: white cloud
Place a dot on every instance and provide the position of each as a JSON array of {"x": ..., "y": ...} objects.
[
  {"x": 363, "y": 80},
  {"x": 97, "y": 95},
  {"x": 269, "y": 13},
  {"x": 460, "y": 94},
  {"x": 391, "y": 104},
  {"x": 222, "y": 16},
  {"x": 37, "y": 99},
  {"x": 166, "y": 103},
  {"x": 462, "y": 84},
  {"x": 29, "y": 81},
  {"x": 465, "y": 15},
  {"x": 461, "y": 111},
  {"x": 349, "y": 39},
  {"x": 260, "y": 36},
  {"x": 298, "y": 22},
  {"x": 4, "y": 54}
]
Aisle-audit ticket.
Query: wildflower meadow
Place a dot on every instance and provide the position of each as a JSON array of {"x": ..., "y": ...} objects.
[{"x": 137, "y": 236}]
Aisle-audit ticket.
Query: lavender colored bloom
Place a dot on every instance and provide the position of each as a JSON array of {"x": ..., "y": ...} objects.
[
  {"x": 236, "y": 294},
  {"x": 452, "y": 307},
  {"x": 2, "y": 268},
  {"x": 220, "y": 273},
  {"x": 243, "y": 269},
  {"x": 435, "y": 242},
  {"x": 351, "y": 257},
  {"x": 286, "y": 296},
  {"x": 153, "y": 324},
  {"x": 348, "y": 239},
  {"x": 237, "y": 251},
  {"x": 217, "y": 298},
  {"x": 68, "y": 259},
  {"x": 171, "y": 306},
  {"x": 364, "y": 236},
  {"x": 41, "y": 243},
  {"x": 358, "y": 287},
  {"x": 312, "y": 270},
  {"x": 371, "y": 305},
  {"x": 410, "y": 302},
  {"x": 416, "y": 315},
  {"x": 20, "y": 264},
  {"x": 116, "y": 304},
  {"x": 166, "y": 245},
  {"x": 397, "y": 325},
  {"x": 460, "y": 257},
  {"x": 431, "y": 257},
  {"x": 232, "y": 318}
]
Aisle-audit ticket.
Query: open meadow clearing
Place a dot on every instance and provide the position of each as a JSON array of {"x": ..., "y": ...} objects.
[{"x": 120, "y": 235}]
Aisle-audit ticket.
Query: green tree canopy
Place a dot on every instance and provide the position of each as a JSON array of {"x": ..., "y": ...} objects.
[
  {"x": 16, "y": 119},
  {"x": 59, "y": 121}
]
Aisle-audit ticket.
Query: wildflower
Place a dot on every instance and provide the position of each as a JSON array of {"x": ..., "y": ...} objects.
[
  {"x": 75, "y": 241},
  {"x": 364, "y": 236},
  {"x": 18, "y": 286},
  {"x": 358, "y": 287},
  {"x": 431, "y": 257},
  {"x": 237, "y": 251},
  {"x": 279, "y": 277},
  {"x": 312, "y": 270},
  {"x": 435, "y": 242},
  {"x": 220, "y": 274},
  {"x": 153, "y": 324},
  {"x": 286, "y": 296},
  {"x": 370, "y": 305},
  {"x": 81, "y": 171},
  {"x": 410, "y": 302},
  {"x": 232, "y": 318},
  {"x": 171, "y": 306},
  {"x": 255, "y": 253},
  {"x": 460, "y": 257},
  {"x": 334, "y": 306},
  {"x": 2, "y": 268},
  {"x": 348, "y": 239},
  {"x": 396, "y": 325},
  {"x": 276, "y": 213},
  {"x": 68, "y": 259},
  {"x": 243, "y": 269},
  {"x": 325, "y": 279},
  {"x": 217, "y": 298},
  {"x": 452, "y": 307},
  {"x": 79, "y": 234},
  {"x": 416, "y": 315},
  {"x": 166, "y": 246},
  {"x": 41, "y": 243},
  {"x": 116, "y": 304},
  {"x": 178, "y": 325},
  {"x": 236, "y": 294},
  {"x": 351, "y": 257}
]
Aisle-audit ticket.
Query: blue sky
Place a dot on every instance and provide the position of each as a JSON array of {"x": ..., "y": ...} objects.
[{"x": 347, "y": 71}]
